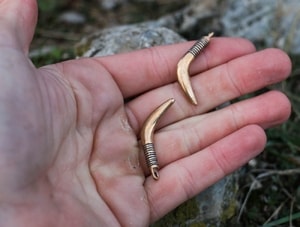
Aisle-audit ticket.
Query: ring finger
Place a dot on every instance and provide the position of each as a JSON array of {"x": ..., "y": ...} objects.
[{"x": 188, "y": 136}]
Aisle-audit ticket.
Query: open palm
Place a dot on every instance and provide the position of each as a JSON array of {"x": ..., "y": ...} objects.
[{"x": 69, "y": 144}]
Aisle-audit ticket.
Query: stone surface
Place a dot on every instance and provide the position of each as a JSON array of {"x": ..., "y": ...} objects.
[
  {"x": 194, "y": 20},
  {"x": 268, "y": 23},
  {"x": 125, "y": 38},
  {"x": 214, "y": 207}
]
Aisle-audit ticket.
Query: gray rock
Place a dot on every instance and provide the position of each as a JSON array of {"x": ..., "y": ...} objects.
[
  {"x": 125, "y": 38},
  {"x": 268, "y": 23},
  {"x": 214, "y": 207},
  {"x": 194, "y": 20},
  {"x": 271, "y": 23}
]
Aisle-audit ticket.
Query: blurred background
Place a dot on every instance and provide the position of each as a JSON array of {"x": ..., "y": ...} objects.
[{"x": 269, "y": 189}]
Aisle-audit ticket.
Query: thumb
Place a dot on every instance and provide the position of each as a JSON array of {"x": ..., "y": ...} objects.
[{"x": 17, "y": 23}]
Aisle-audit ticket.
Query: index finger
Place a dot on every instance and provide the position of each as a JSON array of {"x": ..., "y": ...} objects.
[{"x": 140, "y": 71}]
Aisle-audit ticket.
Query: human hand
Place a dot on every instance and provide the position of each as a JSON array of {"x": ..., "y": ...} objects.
[{"x": 69, "y": 151}]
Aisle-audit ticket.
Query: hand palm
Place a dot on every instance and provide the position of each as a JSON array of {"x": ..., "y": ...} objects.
[
  {"x": 69, "y": 145},
  {"x": 82, "y": 135}
]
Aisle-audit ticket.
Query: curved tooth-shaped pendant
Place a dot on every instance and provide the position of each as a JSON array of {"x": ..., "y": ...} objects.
[
  {"x": 184, "y": 64},
  {"x": 147, "y": 133}
]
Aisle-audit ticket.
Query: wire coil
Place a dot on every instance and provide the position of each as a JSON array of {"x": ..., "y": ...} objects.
[
  {"x": 150, "y": 155},
  {"x": 198, "y": 46}
]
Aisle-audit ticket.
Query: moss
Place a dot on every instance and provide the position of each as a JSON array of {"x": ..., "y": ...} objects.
[
  {"x": 179, "y": 217},
  {"x": 229, "y": 212},
  {"x": 82, "y": 47}
]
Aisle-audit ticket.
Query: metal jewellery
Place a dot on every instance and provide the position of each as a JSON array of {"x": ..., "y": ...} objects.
[
  {"x": 147, "y": 137},
  {"x": 184, "y": 63}
]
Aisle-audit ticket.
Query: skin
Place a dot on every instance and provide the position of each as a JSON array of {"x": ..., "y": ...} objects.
[{"x": 69, "y": 151}]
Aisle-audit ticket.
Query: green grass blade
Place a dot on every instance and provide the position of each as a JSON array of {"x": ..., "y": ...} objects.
[{"x": 282, "y": 220}]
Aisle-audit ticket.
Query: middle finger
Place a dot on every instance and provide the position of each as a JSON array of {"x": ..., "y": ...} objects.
[{"x": 213, "y": 87}]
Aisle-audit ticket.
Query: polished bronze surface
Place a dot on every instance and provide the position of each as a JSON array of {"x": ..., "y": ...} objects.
[
  {"x": 184, "y": 64},
  {"x": 147, "y": 133}
]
